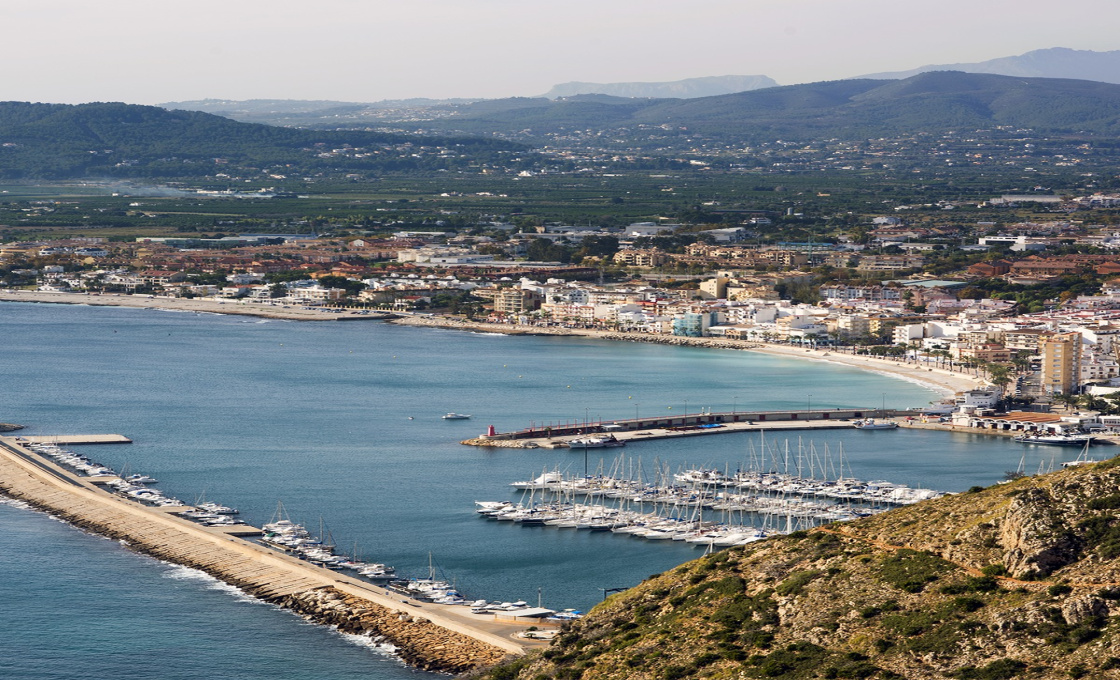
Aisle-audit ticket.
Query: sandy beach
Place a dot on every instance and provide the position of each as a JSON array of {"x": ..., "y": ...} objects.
[
  {"x": 938, "y": 379},
  {"x": 944, "y": 381},
  {"x": 237, "y": 307}
]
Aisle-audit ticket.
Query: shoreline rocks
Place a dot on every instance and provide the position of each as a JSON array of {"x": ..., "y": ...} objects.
[{"x": 10, "y": 427}]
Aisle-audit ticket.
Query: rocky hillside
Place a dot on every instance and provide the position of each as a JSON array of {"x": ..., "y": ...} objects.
[{"x": 1014, "y": 581}]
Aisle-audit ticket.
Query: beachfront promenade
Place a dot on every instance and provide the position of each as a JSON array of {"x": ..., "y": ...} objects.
[{"x": 428, "y": 636}]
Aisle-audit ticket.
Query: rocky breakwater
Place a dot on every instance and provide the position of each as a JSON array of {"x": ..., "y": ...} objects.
[
  {"x": 499, "y": 443},
  {"x": 10, "y": 427},
  {"x": 314, "y": 593},
  {"x": 417, "y": 641}
]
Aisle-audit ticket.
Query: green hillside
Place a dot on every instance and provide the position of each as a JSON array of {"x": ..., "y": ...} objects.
[{"x": 120, "y": 140}]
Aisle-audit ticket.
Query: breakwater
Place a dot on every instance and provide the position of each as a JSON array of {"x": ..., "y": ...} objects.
[
  {"x": 629, "y": 430},
  {"x": 426, "y": 638}
]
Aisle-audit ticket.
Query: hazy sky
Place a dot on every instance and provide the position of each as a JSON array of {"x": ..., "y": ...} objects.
[{"x": 152, "y": 51}]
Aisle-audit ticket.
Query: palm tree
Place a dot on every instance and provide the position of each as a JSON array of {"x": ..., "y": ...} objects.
[
  {"x": 1067, "y": 400},
  {"x": 998, "y": 374}
]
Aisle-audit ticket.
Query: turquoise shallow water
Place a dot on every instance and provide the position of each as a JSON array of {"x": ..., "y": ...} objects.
[{"x": 250, "y": 412}]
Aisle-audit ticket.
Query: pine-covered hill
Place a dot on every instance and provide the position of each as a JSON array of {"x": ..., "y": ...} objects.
[
  {"x": 1014, "y": 581},
  {"x": 52, "y": 141}
]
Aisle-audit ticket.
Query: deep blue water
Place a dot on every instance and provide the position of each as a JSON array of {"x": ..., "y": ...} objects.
[{"x": 250, "y": 412}]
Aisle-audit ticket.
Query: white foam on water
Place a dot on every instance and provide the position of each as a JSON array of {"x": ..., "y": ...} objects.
[
  {"x": 178, "y": 572},
  {"x": 376, "y": 645}
]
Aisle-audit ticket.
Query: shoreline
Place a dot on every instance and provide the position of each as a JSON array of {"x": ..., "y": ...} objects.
[
  {"x": 937, "y": 379},
  {"x": 196, "y": 305}
]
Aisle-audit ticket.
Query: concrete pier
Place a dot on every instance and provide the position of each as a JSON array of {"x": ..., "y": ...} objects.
[
  {"x": 67, "y": 439},
  {"x": 694, "y": 425},
  {"x": 431, "y": 637}
]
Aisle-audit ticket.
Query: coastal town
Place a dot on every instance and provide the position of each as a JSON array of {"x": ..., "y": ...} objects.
[{"x": 1024, "y": 313}]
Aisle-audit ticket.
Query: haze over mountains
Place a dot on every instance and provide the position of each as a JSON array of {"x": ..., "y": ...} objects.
[
  {"x": 689, "y": 88},
  {"x": 45, "y": 140},
  {"x": 845, "y": 109},
  {"x": 1055, "y": 62}
]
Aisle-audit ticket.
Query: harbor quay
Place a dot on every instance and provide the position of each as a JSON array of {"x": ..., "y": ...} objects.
[
  {"x": 425, "y": 635},
  {"x": 625, "y": 431}
]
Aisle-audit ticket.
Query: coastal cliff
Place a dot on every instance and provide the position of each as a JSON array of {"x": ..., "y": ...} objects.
[{"x": 1018, "y": 580}]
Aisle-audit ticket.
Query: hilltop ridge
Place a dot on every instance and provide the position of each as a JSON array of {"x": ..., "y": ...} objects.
[{"x": 1014, "y": 581}]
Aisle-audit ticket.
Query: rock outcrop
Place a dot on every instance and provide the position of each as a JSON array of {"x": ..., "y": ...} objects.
[{"x": 1014, "y": 581}]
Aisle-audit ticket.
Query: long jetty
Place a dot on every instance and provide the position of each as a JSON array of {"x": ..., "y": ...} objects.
[
  {"x": 557, "y": 435},
  {"x": 430, "y": 637}
]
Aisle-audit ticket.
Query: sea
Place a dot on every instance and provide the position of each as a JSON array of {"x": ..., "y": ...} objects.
[{"x": 339, "y": 424}]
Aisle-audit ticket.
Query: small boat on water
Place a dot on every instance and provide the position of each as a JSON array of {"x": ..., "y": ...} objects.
[
  {"x": 872, "y": 424},
  {"x": 456, "y": 416}
]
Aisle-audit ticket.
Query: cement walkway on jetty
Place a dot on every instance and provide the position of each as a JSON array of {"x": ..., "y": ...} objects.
[
  {"x": 696, "y": 425},
  {"x": 428, "y": 636},
  {"x": 66, "y": 439}
]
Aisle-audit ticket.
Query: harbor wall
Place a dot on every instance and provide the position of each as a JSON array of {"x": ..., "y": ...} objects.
[
  {"x": 322, "y": 597},
  {"x": 695, "y": 420}
]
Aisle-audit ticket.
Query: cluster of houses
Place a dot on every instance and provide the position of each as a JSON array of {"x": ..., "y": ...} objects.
[{"x": 1071, "y": 346}]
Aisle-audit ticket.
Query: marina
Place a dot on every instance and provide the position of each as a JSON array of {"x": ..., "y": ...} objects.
[
  {"x": 319, "y": 418},
  {"x": 257, "y": 569},
  {"x": 781, "y": 490}
]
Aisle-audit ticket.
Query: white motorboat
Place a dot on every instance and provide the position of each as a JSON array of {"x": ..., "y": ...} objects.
[
  {"x": 872, "y": 424},
  {"x": 608, "y": 441},
  {"x": 547, "y": 480},
  {"x": 456, "y": 416}
]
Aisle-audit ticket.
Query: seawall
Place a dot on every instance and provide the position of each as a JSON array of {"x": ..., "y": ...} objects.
[{"x": 426, "y": 638}]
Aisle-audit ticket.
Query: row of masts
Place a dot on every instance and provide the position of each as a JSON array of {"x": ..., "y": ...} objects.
[{"x": 781, "y": 489}]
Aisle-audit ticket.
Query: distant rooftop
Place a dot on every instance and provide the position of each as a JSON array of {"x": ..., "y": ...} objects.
[{"x": 930, "y": 284}]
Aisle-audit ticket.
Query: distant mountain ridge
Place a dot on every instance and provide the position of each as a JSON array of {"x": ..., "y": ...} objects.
[
  {"x": 688, "y": 88},
  {"x": 1055, "y": 62},
  {"x": 844, "y": 109}
]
